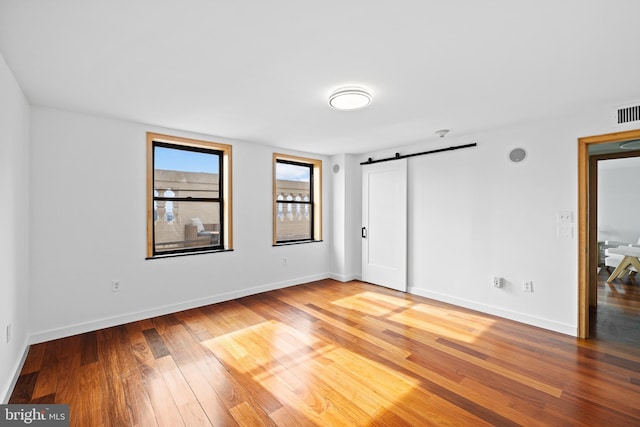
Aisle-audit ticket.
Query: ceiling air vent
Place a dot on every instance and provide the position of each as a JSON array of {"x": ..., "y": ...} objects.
[{"x": 628, "y": 114}]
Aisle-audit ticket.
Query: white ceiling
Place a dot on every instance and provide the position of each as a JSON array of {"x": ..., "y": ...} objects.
[{"x": 261, "y": 71}]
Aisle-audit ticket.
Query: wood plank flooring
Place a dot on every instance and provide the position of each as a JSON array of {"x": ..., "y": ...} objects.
[
  {"x": 333, "y": 354},
  {"x": 617, "y": 317}
]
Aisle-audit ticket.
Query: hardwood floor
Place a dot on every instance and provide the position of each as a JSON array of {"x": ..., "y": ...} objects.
[
  {"x": 329, "y": 353},
  {"x": 617, "y": 317}
]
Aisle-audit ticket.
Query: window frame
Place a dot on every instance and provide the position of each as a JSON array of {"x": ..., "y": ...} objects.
[
  {"x": 315, "y": 197},
  {"x": 224, "y": 192}
]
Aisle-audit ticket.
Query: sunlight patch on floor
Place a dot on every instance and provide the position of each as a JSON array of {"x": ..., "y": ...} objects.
[
  {"x": 310, "y": 376},
  {"x": 372, "y": 303},
  {"x": 465, "y": 327}
]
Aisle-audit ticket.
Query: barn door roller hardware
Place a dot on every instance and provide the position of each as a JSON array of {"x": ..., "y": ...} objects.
[{"x": 370, "y": 161}]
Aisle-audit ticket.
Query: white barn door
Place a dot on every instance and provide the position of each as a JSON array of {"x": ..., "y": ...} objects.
[{"x": 384, "y": 224}]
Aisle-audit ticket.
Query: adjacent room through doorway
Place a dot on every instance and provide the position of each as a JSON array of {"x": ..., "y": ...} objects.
[{"x": 608, "y": 219}]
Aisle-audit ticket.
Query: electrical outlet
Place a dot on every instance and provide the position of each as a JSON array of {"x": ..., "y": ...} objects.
[
  {"x": 116, "y": 286},
  {"x": 284, "y": 260},
  {"x": 527, "y": 285},
  {"x": 8, "y": 333},
  {"x": 565, "y": 216},
  {"x": 497, "y": 282}
]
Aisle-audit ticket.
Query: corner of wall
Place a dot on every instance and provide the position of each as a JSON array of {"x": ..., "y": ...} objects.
[
  {"x": 14, "y": 226},
  {"x": 7, "y": 390}
]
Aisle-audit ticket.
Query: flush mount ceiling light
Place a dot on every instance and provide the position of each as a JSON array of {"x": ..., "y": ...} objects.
[
  {"x": 631, "y": 145},
  {"x": 442, "y": 132},
  {"x": 349, "y": 98}
]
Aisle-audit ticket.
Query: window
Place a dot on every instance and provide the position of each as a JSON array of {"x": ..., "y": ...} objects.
[
  {"x": 188, "y": 196},
  {"x": 297, "y": 190}
]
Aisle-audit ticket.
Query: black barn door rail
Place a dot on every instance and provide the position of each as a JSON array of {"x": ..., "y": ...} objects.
[{"x": 398, "y": 156}]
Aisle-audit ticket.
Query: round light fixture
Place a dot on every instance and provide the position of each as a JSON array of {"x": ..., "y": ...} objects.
[
  {"x": 631, "y": 145},
  {"x": 349, "y": 98}
]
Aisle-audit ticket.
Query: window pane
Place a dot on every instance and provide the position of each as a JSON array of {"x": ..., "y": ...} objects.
[
  {"x": 186, "y": 187},
  {"x": 293, "y": 182},
  {"x": 180, "y": 225},
  {"x": 293, "y": 222},
  {"x": 186, "y": 173}
]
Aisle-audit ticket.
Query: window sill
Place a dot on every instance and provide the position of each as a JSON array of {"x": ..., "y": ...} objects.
[
  {"x": 302, "y": 242},
  {"x": 174, "y": 255}
]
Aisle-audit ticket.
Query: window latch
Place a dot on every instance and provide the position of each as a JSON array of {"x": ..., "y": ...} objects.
[{"x": 364, "y": 232}]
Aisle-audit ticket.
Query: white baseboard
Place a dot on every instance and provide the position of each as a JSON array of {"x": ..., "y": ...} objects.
[
  {"x": 108, "y": 322},
  {"x": 6, "y": 392},
  {"x": 279, "y": 285},
  {"x": 551, "y": 325},
  {"x": 344, "y": 278}
]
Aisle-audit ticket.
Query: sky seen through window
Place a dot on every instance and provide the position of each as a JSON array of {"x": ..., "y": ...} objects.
[{"x": 193, "y": 161}]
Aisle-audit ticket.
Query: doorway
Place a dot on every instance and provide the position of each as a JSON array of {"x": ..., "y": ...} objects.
[{"x": 588, "y": 255}]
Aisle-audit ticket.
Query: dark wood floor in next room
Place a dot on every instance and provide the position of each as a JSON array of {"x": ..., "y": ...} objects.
[
  {"x": 617, "y": 316},
  {"x": 333, "y": 354}
]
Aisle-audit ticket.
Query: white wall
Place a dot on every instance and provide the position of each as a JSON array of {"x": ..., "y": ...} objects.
[
  {"x": 473, "y": 214},
  {"x": 353, "y": 217},
  {"x": 346, "y": 218},
  {"x": 14, "y": 227},
  {"x": 618, "y": 201},
  {"x": 88, "y": 227},
  {"x": 339, "y": 203}
]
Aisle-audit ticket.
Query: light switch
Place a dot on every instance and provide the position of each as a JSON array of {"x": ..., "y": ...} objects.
[{"x": 565, "y": 231}]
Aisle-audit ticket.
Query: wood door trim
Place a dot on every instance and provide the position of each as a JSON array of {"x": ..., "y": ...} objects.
[{"x": 586, "y": 239}]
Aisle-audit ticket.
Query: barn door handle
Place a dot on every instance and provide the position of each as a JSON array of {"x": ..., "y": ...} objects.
[{"x": 364, "y": 232}]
